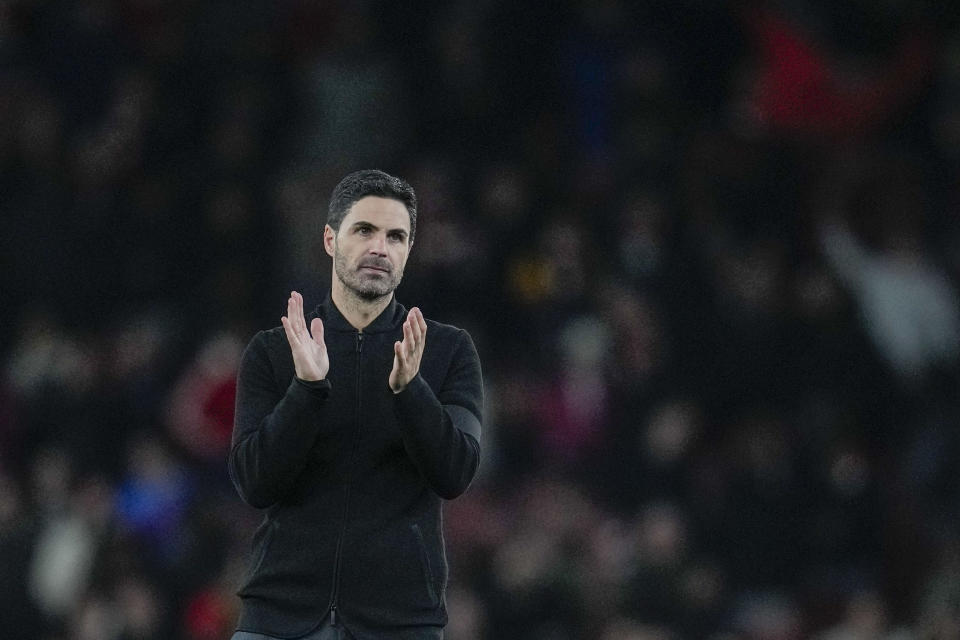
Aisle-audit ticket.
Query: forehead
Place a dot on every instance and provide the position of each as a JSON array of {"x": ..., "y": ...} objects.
[{"x": 384, "y": 213}]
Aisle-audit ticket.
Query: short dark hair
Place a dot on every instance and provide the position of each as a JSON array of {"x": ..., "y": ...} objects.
[{"x": 370, "y": 182}]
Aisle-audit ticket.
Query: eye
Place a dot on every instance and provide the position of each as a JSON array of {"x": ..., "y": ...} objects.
[
  {"x": 364, "y": 231},
  {"x": 396, "y": 236}
]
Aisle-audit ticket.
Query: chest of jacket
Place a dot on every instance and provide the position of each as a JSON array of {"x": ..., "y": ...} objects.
[{"x": 361, "y": 440}]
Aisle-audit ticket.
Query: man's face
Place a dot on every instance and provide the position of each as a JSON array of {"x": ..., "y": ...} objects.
[{"x": 370, "y": 250}]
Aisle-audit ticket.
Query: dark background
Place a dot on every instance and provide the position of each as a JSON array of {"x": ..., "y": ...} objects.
[{"x": 708, "y": 252}]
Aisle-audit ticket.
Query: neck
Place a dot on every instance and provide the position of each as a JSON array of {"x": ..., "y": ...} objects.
[{"x": 358, "y": 311}]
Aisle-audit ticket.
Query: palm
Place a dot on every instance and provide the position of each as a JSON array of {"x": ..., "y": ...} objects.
[
  {"x": 408, "y": 352},
  {"x": 308, "y": 349}
]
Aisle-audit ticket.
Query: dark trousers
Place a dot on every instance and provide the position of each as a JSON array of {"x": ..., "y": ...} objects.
[
  {"x": 327, "y": 632},
  {"x": 324, "y": 632}
]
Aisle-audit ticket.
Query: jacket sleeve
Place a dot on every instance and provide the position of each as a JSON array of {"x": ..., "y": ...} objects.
[
  {"x": 274, "y": 428},
  {"x": 441, "y": 428}
]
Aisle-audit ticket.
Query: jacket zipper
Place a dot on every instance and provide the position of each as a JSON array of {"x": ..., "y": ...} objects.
[{"x": 334, "y": 596}]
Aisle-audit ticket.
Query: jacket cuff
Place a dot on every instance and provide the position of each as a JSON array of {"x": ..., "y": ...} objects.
[
  {"x": 317, "y": 388},
  {"x": 415, "y": 396}
]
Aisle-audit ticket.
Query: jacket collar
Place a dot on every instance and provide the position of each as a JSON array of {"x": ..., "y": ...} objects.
[{"x": 391, "y": 317}]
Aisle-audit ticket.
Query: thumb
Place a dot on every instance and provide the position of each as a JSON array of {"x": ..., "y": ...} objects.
[{"x": 316, "y": 330}]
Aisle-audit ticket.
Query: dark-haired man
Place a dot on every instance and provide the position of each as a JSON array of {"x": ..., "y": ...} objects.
[{"x": 352, "y": 426}]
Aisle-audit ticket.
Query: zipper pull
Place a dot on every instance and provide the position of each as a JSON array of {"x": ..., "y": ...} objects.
[
  {"x": 333, "y": 616},
  {"x": 359, "y": 342}
]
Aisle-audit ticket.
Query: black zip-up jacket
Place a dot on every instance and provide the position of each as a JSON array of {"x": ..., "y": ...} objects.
[{"x": 352, "y": 476}]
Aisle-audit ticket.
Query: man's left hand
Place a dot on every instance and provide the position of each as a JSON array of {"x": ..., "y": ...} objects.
[{"x": 408, "y": 352}]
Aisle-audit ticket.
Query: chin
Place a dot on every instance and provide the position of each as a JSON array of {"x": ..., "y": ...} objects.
[{"x": 373, "y": 294}]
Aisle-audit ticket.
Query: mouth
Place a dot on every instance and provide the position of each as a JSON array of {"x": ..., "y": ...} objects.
[{"x": 373, "y": 268}]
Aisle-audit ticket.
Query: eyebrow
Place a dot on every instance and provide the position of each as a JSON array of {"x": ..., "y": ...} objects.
[{"x": 364, "y": 223}]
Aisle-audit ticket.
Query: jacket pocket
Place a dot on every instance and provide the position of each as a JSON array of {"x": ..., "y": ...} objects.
[
  {"x": 261, "y": 550},
  {"x": 426, "y": 566}
]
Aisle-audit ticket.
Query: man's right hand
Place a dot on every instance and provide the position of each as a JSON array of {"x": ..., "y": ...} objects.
[{"x": 309, "y": 351}]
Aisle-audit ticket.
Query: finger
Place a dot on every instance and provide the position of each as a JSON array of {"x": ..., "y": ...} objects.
[
  {"x": 288, "y": 329},
  {"x": 316, "y": 330},
  {"x": 291, "y": 314},
  {"x": 422, "y": 325},
  {"x": 415, "y": 326},
  {"x": 298, "y": 305},
  {"x": 422, "y": 322},
  {"x": 417, "y": 337},
  {"x": 408, "y": 336},
  {"x": 398, "y": 352}
]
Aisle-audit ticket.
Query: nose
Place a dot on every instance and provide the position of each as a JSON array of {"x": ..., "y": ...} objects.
[{"x": 378, "y": 246}]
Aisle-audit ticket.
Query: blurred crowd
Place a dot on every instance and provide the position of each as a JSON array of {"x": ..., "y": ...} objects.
[{"x": 709, "y": 253}]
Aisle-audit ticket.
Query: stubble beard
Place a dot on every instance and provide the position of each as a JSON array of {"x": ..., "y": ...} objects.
[{"x": 368, "y": 289}]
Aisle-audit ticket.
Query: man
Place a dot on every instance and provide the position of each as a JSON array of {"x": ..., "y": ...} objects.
[{"x": 350, "y": 434}]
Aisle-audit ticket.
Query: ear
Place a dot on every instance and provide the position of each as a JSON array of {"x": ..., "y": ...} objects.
[{"x": 329, "y": 239}]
